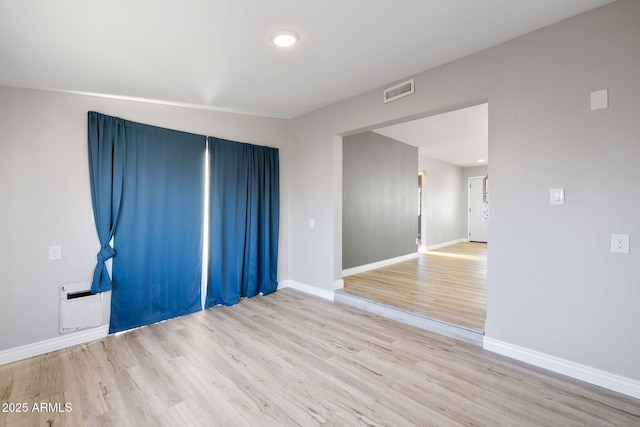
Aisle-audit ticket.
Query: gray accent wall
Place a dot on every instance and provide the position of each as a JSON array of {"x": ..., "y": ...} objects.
[
  {"x": 553, "y": 287},
  {"x": 379, "y": 199}
]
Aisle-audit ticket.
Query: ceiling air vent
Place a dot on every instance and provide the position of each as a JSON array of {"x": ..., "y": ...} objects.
[{"x": 398, "y": 91}]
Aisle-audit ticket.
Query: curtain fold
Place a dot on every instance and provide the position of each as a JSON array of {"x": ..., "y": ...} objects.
[
  {"x": 158, "y": 224},
  {"x": 107, "y": 139},
  {"x": 157, "y": 272},
  {"x": 244, "y": 221}
]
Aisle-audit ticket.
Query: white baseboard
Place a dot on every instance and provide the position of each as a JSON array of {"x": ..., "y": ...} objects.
[
  {"x": 338, "y": 284},
  {"x": 379, "y": 264},
  {"x": 53, "y": 344},
  {"x": 584, "y": 373},
  {"x": 442, "y": 245},
  {"x": 308, "y": 289}
]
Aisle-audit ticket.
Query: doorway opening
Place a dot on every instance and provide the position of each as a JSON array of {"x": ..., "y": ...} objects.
[
  {"x": 444, "y": 249},
  {"x": 478, "y": 217}
]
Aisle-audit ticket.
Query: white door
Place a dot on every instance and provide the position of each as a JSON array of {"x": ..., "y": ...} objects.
[{"x": 478, "y": 213}]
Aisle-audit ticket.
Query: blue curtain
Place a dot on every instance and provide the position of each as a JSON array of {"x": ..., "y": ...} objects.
[
  {"x": 157, "y": 269},
  {"x": 106, "y": 171},
  {"x": 244, "y": 221}
]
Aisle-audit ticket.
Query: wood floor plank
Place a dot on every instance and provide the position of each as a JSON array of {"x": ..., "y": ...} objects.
[
  {"x": 288, "y": 359},
  {"x": 447, "y": 284}
]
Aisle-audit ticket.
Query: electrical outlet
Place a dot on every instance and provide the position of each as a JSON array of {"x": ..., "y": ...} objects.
[
  {"x": 620, "y": 243},
  {"x": 55, "y": 253}
]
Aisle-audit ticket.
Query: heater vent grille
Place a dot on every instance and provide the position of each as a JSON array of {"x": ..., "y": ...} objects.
[
  {"x": 79, "y": 308},
  {"x": 398, "y": 91}
]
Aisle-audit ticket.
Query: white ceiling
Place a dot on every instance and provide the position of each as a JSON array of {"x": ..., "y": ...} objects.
[
  {"x": 460, "y": 137},
  {"x": 216, "y": 53}
]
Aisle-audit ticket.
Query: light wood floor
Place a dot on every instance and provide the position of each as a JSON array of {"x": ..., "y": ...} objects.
[
  {"x": 447, "y": 284},
  {"x": 296, "y": 360}
]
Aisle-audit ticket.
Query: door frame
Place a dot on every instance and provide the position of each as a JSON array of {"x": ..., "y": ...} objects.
[{"x": 469, "y": 205}]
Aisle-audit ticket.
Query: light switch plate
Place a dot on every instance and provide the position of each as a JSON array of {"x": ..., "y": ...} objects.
[
  {"x": 556, "y": 196},
  {"x": 620, "y": 243}
]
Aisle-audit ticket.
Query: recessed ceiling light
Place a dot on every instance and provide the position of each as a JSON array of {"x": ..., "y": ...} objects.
[
  {"x": 284, "y": 38},
  {"x": 481, "y": 161}
]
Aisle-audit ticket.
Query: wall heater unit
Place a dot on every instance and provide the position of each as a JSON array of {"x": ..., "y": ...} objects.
[{"x": 79, "y": 308}]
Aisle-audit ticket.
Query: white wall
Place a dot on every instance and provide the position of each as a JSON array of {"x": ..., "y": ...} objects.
[
  {"x": 443, "y": 202},
  {"x": 45, "y": 197},
  {"x": 553, "y": 285}
]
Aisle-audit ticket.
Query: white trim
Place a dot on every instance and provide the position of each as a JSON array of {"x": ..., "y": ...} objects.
[
  {"x": 53, "y": 344},
  {"x": 308, "y": 289},
  {"x": 379, "y": 264},
  {"x": 442, "y": 245},
  {"x": 338, "y": 284},
  {"x": 571, "y": 369}
]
